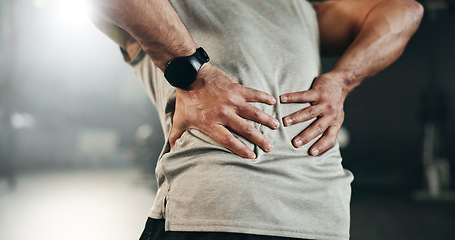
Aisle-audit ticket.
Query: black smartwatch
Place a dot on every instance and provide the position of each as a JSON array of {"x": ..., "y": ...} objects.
[{"x": 181, "y": 72}]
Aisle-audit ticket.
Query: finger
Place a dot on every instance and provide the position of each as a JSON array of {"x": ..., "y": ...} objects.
[
  {"x": 327, "y": 141},
  {"x": 315, "y": 129},
  {"x": 300, "y": 97},
  {"x": 176, "y": 133},
  {"x": 251, "y": 112},
  {"x": 243, "y": 128},
  {"x": 253, "y": 95},
  {"x": 227, "y": 140},
  {"x": 302, "y": 115}
]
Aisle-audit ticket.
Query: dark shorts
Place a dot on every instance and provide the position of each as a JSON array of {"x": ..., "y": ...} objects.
[{"x": 154, "y": 230}]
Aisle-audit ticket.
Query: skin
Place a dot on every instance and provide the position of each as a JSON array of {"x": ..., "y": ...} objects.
[
  {"x": 214, "y": 102},
  {"x": 368, "y": 34}
]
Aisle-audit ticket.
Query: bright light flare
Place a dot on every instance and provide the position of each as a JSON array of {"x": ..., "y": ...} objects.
[
  {"x": 40, "y": 3},
  {"x": 22, "y": 120},
  {"x": 343, "y": 137},
  {"x": 72, "y": 12}
]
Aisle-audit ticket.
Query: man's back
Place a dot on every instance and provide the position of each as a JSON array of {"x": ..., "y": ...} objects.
[{"x": 271, "y": 46}]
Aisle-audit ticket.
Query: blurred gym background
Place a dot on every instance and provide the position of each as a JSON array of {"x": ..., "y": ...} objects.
[{"x": 79, "y": 138}]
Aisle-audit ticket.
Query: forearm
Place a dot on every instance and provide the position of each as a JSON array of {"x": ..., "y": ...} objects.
[
  {"x": 371, "y": 34},
  {"x": 214, "y": 103},
  {"x": 153, "y": 23},
  {"x": 380, "y": 40}
]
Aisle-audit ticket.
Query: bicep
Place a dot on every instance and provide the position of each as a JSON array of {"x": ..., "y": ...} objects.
[{"x": 339, "y": 22}]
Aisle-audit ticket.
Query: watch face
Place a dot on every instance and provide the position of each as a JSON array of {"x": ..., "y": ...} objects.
[{"x": 180, "y": 73}]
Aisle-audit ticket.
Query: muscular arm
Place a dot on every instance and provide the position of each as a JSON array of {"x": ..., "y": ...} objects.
[
  {"x": 214, "y": 103},
  {"x": 153, "y": 23},
  {"x": 370, "y": 35},
  {"x": 378, "y": 31}
]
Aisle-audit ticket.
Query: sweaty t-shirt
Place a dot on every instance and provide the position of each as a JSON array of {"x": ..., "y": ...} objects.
[{"x": 272, "y": 46}]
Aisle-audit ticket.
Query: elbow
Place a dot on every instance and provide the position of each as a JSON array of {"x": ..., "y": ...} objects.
[
  {"x": 415, "y": 11},
  {"x": 411, "y": 14}
]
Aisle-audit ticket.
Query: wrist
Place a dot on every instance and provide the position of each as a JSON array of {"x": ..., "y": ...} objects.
[
  {"x": 202, "y": 78},
  {"x": 181, "y": 72},
  {"x": 346, "y": 80},
  {"x": 161, "y": 57}
]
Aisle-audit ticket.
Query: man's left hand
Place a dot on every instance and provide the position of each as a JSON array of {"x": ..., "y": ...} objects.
[{"x": 326, "y": 96}]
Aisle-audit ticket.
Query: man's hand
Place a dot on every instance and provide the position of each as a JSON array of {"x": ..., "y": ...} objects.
[
  {"x": 326, "y": 97},
  {"x": 215, "y": 103},
  {"x": 370, "y": 35}
]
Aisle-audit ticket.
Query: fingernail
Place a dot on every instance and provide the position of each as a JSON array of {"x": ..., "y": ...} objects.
[
  {"x": 269, "y": 147},
  {"x": 287, "y": 121},
  {"x": 276, "y": 124},
  {"x": 251, "y": 155},
  {"x": 283, "y": 98},
  {"x": 298, "y": 143},
  {"x": 315, "y": 152},
  {"x": 290, "y": 121},
  {"x": 273, "y": 101}
]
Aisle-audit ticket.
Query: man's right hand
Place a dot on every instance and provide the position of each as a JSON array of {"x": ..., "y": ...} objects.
[{"x": 214, "y": 103}]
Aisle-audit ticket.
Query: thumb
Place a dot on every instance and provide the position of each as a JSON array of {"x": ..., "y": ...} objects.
[{"x": 176, "y": 133}]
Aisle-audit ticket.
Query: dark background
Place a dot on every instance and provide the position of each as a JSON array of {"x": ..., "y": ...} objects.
[
  {"x": 64, "y": 89},
  {"x": 384, "y": 115}
]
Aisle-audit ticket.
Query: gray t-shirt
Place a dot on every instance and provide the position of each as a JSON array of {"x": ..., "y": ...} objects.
[{"x": 272, "y": 46}]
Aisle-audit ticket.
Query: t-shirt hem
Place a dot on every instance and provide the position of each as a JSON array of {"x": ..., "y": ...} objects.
[{"x": 244, "y": 228}]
